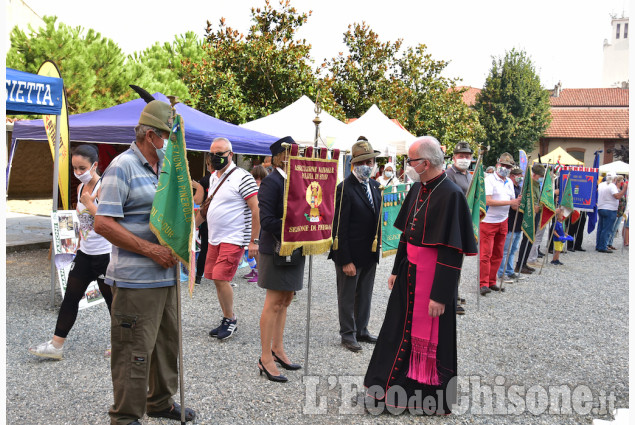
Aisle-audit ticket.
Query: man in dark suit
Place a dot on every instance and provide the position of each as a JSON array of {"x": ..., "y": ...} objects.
[{"x": 356, "y": 243}]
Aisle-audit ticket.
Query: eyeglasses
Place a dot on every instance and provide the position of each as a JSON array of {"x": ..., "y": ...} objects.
[
  {"x": 409, "y": 161},
  {"x": 220, "y": 153}
]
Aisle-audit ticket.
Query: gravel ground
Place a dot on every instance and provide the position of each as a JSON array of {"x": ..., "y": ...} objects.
[{"x": 568, "y": 326}]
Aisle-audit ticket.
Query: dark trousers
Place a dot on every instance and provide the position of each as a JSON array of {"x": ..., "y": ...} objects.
[
  {"x": 85, "y": 269},
  {"x": 577, "y": 231},
  {"x": 145, "y": 341},
  {"x": 525, "y": 246},
  {"x": 354, "y": 295},
  {"x": 202, "y": 255}
]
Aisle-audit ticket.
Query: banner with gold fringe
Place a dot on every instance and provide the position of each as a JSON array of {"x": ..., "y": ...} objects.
[
  {"x": 172, "y": 215},
  {"x": 309, "y": 202}
]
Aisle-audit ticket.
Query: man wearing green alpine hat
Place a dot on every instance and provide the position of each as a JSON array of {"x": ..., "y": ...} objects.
[{"x": 144, "y": 327}]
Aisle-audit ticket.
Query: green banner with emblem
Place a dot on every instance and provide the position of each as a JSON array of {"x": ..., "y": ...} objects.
[{"x": 392, "y": 199}]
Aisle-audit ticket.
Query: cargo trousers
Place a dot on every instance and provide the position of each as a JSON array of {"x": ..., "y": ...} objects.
[{"x": 144, "y": 338}]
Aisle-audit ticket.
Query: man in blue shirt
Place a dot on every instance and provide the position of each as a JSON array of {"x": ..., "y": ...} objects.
[{"x": 144, "y": 327}]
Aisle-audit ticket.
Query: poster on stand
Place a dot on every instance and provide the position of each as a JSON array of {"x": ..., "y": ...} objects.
[{"x": 66, "y": 235}]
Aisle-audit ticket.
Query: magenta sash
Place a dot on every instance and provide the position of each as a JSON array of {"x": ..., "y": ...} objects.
[{"x": 425, "y": 329}]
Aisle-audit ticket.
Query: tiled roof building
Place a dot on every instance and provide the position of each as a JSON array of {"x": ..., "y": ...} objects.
[{"x": 586, "y": 120}]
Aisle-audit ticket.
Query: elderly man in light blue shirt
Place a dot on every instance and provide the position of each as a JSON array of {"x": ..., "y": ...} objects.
[{"x": 144, "y": 327}]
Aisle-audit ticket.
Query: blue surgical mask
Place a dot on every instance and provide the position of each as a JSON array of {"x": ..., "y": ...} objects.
[
  {"x": 161, "y": 152},
  {"x": 363, "y": 171},
  {"x": 541, "y": 179}
]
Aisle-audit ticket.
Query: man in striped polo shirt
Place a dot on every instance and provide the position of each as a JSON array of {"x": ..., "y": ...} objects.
[
  {"x": 144, "y": 327},
  {"x": 233, "y": 222}
]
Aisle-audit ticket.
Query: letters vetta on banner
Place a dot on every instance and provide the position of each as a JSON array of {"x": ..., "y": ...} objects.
[
  {"x": 583, "y": 184},
  {"x": 392, "y": 198},
  {"x": 49, "y": 69},
  {"x": 309, "y": 202}
]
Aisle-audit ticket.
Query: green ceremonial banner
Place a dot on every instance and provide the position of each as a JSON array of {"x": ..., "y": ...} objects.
[
  {"x": 476, "y": 198},
  {"x": 548, "y": 209},
  {"x": 172, "y": 218},
  {"x": 527, "y": 207},
  {"x": 393, "y": 197}
]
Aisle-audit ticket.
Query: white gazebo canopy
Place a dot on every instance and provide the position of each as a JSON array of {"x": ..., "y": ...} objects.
[
  {"x": 617, "y": 167},
  {"x": 296, "y": 120},
  {"x": 382, "y": 133}
]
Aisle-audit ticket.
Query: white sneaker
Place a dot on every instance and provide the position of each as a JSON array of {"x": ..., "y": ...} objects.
[{"x": 46, "y": 349}]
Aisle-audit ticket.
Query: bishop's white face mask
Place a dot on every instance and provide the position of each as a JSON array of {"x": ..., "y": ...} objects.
[{"x": 412, "y": 173}]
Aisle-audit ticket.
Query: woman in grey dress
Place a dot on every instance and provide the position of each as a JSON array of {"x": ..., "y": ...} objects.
[{"x": 279, "y": 281}]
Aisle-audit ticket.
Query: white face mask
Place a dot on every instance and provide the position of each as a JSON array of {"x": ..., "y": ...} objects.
[
  {"x": 86, "y": 177},
  {"x": 388, "y": 174},
  {"x": 413, "y": 174},
  {"x": 462, "y": 164}
]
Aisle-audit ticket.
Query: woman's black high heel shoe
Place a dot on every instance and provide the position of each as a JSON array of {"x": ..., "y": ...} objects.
[
  {"x": 279, "y": 378},
  {"x": 287, "y": 366}
]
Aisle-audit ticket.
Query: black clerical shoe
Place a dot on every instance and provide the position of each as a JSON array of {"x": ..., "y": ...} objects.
[
  {"x": 367, "y": 338},
  {"x": 351, "y": 345},
  {"x": 580, "y": 249}
]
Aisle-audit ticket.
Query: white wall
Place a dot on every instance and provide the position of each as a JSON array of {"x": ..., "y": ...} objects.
[{"x": 615, "y": 67}]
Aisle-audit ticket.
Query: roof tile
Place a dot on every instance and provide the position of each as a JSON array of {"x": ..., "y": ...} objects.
[{"x": 589, "y": 123}]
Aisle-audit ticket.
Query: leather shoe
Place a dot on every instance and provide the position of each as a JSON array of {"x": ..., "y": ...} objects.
[
  {"x": 580, "y": 249},
  {"x": 526, "y": 270},
  {"x": 174, "y": 412},
  {"x": 495, "y": 288},
  {"x": 367, "y": 338},
  {"x": 606, "y": 251},
  {"x": 485, "y": 290},
  {"x": 460, "y": 310},
  {"x": 352, "y": 345}
]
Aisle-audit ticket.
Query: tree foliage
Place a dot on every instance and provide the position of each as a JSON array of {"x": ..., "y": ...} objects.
[
  {"x": 96, "y": 72},
  {"x": 405, "y": 83},
  {"x": 241, "y": 78},
  {"x": 513, "y": 106}
]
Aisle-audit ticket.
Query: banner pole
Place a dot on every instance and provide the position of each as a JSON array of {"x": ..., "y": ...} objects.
[
  {"x": 56, "y": 173},
  {"x": 177, "y": 275},
  {"x": 317, "y": 122}
]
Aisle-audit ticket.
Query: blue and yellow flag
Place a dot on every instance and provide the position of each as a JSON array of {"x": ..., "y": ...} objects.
[{"x": 172, "y": 216}]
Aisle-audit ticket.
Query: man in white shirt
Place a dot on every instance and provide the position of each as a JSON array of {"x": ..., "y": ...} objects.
[
  {"x": 608, "y": 201},
  {"x": 233, "y": 222},
  {"x": 499, "y": 195}
]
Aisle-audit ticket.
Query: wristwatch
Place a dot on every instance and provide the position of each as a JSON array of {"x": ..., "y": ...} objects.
[{"x": 256, "y": 241}]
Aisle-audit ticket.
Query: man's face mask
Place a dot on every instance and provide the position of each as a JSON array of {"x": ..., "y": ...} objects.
[{"x": 220, "y": 160}]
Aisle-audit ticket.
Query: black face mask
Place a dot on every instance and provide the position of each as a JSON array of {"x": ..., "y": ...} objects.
[{"x": 219, "y": 162}]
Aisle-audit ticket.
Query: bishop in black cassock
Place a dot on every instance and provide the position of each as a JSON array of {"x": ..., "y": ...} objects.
[{"x": 415, "y": 353}]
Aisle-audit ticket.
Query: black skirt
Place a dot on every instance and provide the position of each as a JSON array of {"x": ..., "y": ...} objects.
[
  {"x": 386, "y": 379},
  {"x": 279, "y": 278}
]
